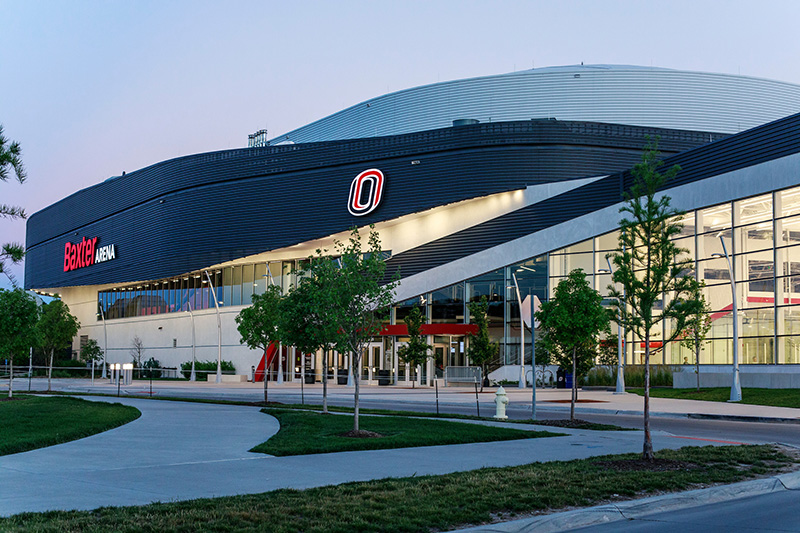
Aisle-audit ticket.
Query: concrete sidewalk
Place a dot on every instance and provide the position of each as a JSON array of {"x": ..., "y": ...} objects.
[
  {"x": 181, "y": 450},
  {"x": 548, "y": 400}
]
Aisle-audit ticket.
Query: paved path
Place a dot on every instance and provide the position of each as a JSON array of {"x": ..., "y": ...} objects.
[
  {"x": 548, "y": 400},
  {"x": 181, "y": 450}
]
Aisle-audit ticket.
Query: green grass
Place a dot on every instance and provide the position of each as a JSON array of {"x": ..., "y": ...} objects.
[
  {"x": 305, "y": 432},
  {"x": 772, "y": 397},
  {"x": 30, "y": 422},
  {"x": 428, "y": 503}
]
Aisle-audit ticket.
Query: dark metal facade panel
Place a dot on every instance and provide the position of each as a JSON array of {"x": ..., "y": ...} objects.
[
  {"x": 764, "y": 143},
  {"x": 195, "y": 211}
]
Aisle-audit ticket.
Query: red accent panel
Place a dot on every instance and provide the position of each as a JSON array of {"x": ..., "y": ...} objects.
[
  {"x": 432, "y": 329},
  {"x": 270, "y": 354}
]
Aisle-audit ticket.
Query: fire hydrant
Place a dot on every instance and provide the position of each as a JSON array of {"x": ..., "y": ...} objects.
[{"x": 501, "y": 399}]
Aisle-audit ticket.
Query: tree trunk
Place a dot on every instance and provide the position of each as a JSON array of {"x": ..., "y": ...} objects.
[
  {"x": 11, "y": 378},
  {"x": 266, "y": 382},
  {"x": 647, "y": 449},
  {"x": 357, "y": 383},
  {"x": 697, "y": 362},
  {"x": 413, "y": 381},
  {"x": 574, "y": 395},
  {"x": 324, "y": 382},
  {"x": 50, "y": 370}
]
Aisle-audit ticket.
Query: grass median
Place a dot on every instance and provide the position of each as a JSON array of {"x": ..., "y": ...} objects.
[
  {"x": 428, "y": 503},
  {"x": 305, "y": 432},
  {"x": 769, "y": 397},
  {"x": 31, "y": 422}
]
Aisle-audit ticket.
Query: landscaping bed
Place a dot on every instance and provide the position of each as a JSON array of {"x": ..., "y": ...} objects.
[{"x": 769, "y": 397}]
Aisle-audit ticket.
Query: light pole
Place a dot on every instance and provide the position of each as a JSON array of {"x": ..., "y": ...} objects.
[
  {"x": 620, "y": 368},
  {"x": 736, "y": 386},
  {"x": 522, "y": 341},
  {"x": 219, "y": 329},
  {"x": 104, "y": 375},
  {"x": 192, "y": 376}
]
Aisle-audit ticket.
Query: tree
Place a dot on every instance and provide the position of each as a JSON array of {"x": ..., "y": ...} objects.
[
  {"x": 55, "y": 330},
  {"x": 698, "y": 324},
  {"x": 571, "y": 325},
  {"x": 417, "y": 351},
  {"x": 481, "y": 349},
  {"x": 258, "y": 324},
  {"x": 353, "y": 298},
  {"x": 304, "y": 322},
  {"x": 650, "y": 268},
  {"x": 137, "y": 352},
  {"x": 10, "y": 161},
  {"x": 91, "y": 351},
  {"x": 18, "y": 315}
]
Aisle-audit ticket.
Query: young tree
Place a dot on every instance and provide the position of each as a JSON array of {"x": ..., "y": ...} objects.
[
  {"x": 481, "y": 349},
  {"x": 696, "y": 331},
  {"x": 650, "y": 268},
  {"x": 357, "y": 300},
  {"x": 91, "y": 351},
  {"x": 258, "y": 324},
  {"x": 304, "y": 322},
  {"x": 18, "y": 315},
  {"x": 137, "y": 353},
  {"x": 55, "y": 330},
  {"x": 10, "y": 161},
  {"x": 571, "y": 325},
  {"x": 417, "y": 351}
]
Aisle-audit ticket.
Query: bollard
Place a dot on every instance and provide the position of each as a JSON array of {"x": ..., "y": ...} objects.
[{"x": 501, "y": 399}]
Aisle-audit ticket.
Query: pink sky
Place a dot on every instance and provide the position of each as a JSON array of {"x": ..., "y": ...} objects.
[{"x": 94, "y": 88}]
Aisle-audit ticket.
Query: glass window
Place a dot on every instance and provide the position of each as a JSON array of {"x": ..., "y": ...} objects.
[
  {"x": 447, "y": 305},
  {"x": 716, "y": 218},
  {"x": 788, "y": 231},
  {"x": 754, "y": 237},
  {"x": 753, "y": 210},
  {"x": 287, "y": 276},
  {"x": 607, "y": 242},
  {"x": 757, "y": 351},
  {"x": 791, "y": 350},
  {"x": 274, "y": 273},
  {"x": 227, "y": 283},
  {"x": 687, "y": 222},
  {"x": 260, "y": 278},
  {"x": 247, "y": 284},
  {"x": 236, "y": 287},
  {"x": 790, "y": 202}
]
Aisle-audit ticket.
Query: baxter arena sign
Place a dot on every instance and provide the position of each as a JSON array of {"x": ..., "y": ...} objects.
[{"x": 86, "y": 253}]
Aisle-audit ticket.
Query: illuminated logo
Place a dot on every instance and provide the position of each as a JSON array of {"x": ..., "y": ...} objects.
[
  {"x": 86, "y": 253},
  {"x": 366, "y": 192}
]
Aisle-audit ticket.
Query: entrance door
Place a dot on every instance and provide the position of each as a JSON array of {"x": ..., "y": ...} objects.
[
  {"x": 439, "y": 352},
  {"x": 371, "y": 362}
]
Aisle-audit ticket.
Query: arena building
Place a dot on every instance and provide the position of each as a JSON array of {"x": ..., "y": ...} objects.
[{"x": 474, "y": 185}]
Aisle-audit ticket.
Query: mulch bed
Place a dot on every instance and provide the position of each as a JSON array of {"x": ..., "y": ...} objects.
[
  {"x": 656, "y": 465},
  {"x": 361, "y": 434}
]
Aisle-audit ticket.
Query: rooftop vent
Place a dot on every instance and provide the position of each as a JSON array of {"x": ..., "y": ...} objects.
[{"x": 465, "y": 121}]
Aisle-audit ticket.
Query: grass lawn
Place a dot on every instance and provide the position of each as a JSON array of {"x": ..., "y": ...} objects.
[
  {"x": 772, "y": 397},
  {"x": 428, "y": 503},
  {"x": 30, "y": 422},
  {"x": 303, "y": 432}
]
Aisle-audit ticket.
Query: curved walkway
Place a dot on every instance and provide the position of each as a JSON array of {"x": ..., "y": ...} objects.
[{"x": 181, "y": 450}]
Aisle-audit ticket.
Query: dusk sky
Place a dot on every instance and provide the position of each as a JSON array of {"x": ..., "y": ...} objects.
[{"x": 91, "y": 89}]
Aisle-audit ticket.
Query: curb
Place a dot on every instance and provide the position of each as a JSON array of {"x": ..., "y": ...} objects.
[
  {"x": 696, "y": 416},
  {"x": 633, "y": 509}
]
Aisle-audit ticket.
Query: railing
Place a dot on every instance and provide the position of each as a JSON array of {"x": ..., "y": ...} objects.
[{"x": 462, "y": 374}]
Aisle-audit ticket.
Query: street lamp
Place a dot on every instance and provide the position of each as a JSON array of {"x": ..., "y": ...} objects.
[
  {"x": 522, "y": 341},
  {"x": 105, "y": 343},
  {"x": 620, "y": 369},
  {"x": 219, "y": 328},
  {"x": 192, "y": 376},
  {"x": 736, "y": 387}
]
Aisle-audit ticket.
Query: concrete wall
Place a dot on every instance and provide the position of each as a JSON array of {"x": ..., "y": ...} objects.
[{"x": 751, "y": 376}]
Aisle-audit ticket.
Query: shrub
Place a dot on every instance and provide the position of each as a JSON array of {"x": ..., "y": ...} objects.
[
  {"x": 660, "y": 376},
  {"x": 150, "y": 367},
  {"x": 202, "y": 369}
]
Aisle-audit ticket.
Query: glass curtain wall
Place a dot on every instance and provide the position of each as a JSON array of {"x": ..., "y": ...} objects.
[{"x": 762, "y": 237}]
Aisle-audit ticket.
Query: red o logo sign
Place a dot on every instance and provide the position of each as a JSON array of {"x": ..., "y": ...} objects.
[{"x": 366, "y": 192}]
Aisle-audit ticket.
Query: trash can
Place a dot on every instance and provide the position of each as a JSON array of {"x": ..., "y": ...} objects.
[
  {"x": 568, "y": 380},
  {"x": 561, "y": 379},
  {"x": 341, "y": 376},
  {"x": 309, "y": 376},
  {"x": 384, "y": 377}
]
